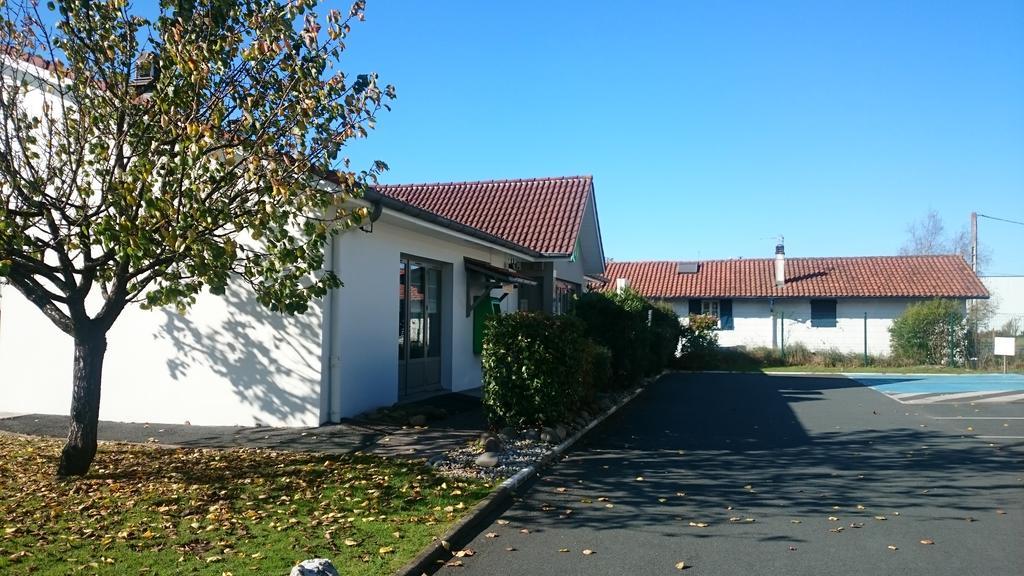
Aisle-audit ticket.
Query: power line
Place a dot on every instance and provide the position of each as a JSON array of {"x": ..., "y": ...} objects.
[{"x": 1001, "y": 219}]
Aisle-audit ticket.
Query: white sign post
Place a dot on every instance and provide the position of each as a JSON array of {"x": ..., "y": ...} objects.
[{"x": 1004, "y": 346}]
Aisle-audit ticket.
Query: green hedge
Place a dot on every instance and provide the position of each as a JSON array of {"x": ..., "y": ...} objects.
[
  {"x": 532, "y": 369},
  {"x": 596, "y": 369},
  {"x": 617, "y": 329},
  {"x": 642, "y": 337}
]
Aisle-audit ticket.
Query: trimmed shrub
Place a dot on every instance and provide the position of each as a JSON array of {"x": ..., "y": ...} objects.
[
  {"x": 931, "y": 332},
  {"x": 595, "y": 370},
  {"x": 531, "y": 369},
  {"x": 665, "y": 336},
  {"x": 622, "y": 332}
]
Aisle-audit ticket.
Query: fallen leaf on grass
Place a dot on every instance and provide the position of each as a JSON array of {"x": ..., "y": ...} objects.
[
  {"x": 502, "y": 522},
  {"x": 454, "y": 563},
  {"x": 351, "y": 542},
  {"x": 563, "y": 549},
  {"x": 491, "y": 535},
  {"x": 385, "y": 550},
  {"x": 465, "y": 553},
  {"x": 837, "y": 529}
]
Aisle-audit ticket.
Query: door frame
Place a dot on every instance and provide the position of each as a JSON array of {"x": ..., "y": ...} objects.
[{"x": 440, "y": 363}]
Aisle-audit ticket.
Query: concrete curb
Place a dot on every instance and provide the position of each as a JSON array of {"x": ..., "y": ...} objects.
[{"x": 472, "y": 522}]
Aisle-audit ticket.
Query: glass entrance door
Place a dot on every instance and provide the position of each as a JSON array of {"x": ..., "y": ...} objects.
[{"x": 419, "y": 328}]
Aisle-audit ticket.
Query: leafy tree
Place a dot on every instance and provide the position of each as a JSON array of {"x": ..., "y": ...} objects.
[{"x": 116, "y": 188}]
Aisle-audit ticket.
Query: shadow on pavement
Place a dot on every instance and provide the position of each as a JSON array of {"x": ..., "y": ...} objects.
[{"x": 710, "y": 447}]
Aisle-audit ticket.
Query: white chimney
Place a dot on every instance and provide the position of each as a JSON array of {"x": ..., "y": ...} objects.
[
  {"x": 780, "y": 266},
  {"x": 621, "y": 284}
]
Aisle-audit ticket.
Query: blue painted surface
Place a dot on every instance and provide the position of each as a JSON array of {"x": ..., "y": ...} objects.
[{"x": 910, "y": 384}]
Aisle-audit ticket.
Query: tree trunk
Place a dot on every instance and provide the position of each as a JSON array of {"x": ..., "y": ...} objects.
[{"x": 80, "y": 448}]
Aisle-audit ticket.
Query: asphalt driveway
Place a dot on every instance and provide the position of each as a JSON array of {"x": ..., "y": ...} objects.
[{"x": 757, "y": 474}]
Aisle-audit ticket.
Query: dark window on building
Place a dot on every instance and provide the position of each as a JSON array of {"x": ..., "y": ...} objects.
[{"x": 823, "y": 313}]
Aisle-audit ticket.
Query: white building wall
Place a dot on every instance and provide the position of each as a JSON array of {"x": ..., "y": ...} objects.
[
  {"x": 753, "y": 324},
  {"x": 228, "y": 361},
  {"x": 1007, "y": 296},
  {"x": 366, "y": 311}
]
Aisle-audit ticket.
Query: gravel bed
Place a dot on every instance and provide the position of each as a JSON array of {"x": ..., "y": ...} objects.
[{"x": 518, "y": 454}]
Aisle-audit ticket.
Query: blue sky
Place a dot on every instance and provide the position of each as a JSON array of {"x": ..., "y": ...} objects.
[{"x": 712, "y": 127}]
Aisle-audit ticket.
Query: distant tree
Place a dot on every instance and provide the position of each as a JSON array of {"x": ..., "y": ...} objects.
[
  {"x": 928, "y": 236},
  {"x": 143, "y": 160}
]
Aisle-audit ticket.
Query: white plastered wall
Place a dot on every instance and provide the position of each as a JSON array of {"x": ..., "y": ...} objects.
[
  {"x": 228, "y": 361},
  {"x": 753, "y": 319},
  {"x": 365, "y": 310}
]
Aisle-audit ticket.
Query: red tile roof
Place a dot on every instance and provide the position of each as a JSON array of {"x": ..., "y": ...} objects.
[
  {"x": 541, "y": 214},
  {"x": 853, "y": 277}
]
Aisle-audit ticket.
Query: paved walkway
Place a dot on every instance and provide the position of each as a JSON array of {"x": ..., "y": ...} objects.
[
  {"x": 756, "y": 474},
  {"x": 437, "y": 437}
]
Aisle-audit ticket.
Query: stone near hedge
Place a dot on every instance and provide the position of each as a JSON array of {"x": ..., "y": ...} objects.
[
  {"x": 492, "y": 444},
  {"x": 314, "y": 567},
  {"x": 549, "y": 436},
  {"x": 487, "y": 460}
]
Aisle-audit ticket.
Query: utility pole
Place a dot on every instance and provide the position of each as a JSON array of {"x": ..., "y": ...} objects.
[{"x": 974, "y": 242}]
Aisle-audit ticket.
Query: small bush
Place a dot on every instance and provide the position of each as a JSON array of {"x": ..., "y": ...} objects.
[
  {"x": 698, "y": 345},
  {"x": 796, "y": 354},
  {"x": 532, "y": 369},
  {"x": 931, "y": 332}
]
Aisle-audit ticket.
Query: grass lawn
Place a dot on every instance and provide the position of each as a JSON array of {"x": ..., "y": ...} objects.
[
  {"x": 876, "y": 369},
  {"x": 149, "y": 510}
]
